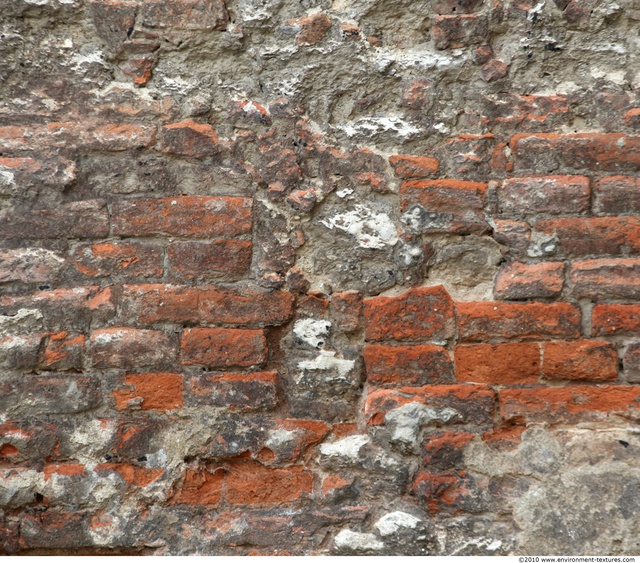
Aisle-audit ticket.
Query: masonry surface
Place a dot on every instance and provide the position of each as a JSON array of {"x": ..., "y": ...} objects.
[{"x": 315, "y": 277}]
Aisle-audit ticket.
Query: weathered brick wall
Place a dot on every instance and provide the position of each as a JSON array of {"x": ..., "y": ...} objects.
[{"x": 317, "y": 277}]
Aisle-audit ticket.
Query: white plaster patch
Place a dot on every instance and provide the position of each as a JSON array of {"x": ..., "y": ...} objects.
[
  {"x": 312, "y": 331},
  {"x": 348, "y": 447},
  {"x": 369, "y": 126},
  {"x": 327, "y": 361},
  {"x": 92, "y": 436},
  {"x": 280, "y": 437},
  {"x": 357, "y": 541},
  {"x": 371, "y": 230},
  {"x": 391, "y": 523}
]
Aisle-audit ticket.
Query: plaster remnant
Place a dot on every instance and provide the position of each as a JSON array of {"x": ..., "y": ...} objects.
[{"x": 371, "y": 229}]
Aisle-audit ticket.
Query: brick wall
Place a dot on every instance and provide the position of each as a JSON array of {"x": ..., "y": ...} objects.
[{"x": 319, "y": 278}]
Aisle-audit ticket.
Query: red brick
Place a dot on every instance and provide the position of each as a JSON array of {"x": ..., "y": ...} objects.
[
  {"x": 610, "y": 152},
  {"x": 424, "y": 313},
  {"x": 516, "y": 235},
  {"x": 130, "y": 348},
  {"x": 346, "y": 309},
  {"x": 631, "y": 363},
  {"x": 251, "y": 483},
  {"x": 334, "y": 484},
  {"x": 49, "y": 394},
  {"x": 80, "y": 219},
  {"x": 150, "y": 391},
  {"x": 30, "y": 265},
  {"x": 223, "y": 347},
  {"x": 55, "y": 529},
  {"x": 452, "y": 32},
  {"x": 511, "y": 110},
  {"x": 248, "y": 306},
  {"x": 184, "y": 14},
  {"x": 312, "y": 28},
  {"x": 557, "y": 195},
  {"x": 20, "y": 351},
  {"x": 27, "y": 441},
  {"x": 445, "y": 450},
  {"x": 304, "y": 434},
  {"x": 119, "y": 258},
  {"x": 451, "y": 206},
  {"x": 505, "y": 364},
  {"x": 29, "y": 172},
  {"x": 406, "y": 166},
  {"x": 504, "y": 438},
  {"x": 474, "y": 403},
  {"x": 595, "y": 360},
  {"x": 606, "y": 278},
  {"x": 610, "y": 319},
  {"x": 396, "y": 366},
  {"x": 235, "y": 391},
  {"x": 516, "y": 280},
  {"x": 63, "y": 351},
  {"x": 583, "y": 236},
  {"x": 64, "y": 309},
  {"x": 189, "y": 138},
  {"x": 617, "y": 195},
  {"x": 208, "y": 260},
  {"x": 567, "y": 403},
  {"x": 200, "y": 486},
  {"x": 189, "y": 216},
  {"x": 489, "y": 320},
  {"x": 84, "y": 136}
]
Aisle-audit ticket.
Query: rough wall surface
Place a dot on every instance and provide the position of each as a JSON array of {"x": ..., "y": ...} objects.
[{"x": 312, "y": 277}]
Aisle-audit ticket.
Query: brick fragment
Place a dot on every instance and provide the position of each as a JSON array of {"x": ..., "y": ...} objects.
[
  {"x": 133, "y": 475},
  {"x": 450, "y": 492},
  {"x": 516, "y": 280},
  {"x": 613, "y": 318},
  {"x": 395, "y": 366},
  {"x": 617, "y": 195},
  {"x": 189, "y": 138},
  {"x": 209, "y": 260},
  {"x": 312, "y": 28},
  {"x": 424, "y": 313},
  {"x": 119, "y": 258},
  {"x": 450, "y": 206},
  {"x": 609, "y": 152},
  {"x": 251, "y": 483},
  {"x": 406, "y": 166},
  {"x": 595, "y": 360},
  {"x": 223, "y": 347},
  {"x": 80, "y": 219},
  {"x": 200, "y": 486},
  {"x": 578, "y": 237},
  {"x": 237, "y": 392},
  {"x": 494, "y": 70},
  {"x": 557, "y": 195},
  {"x": 567, "y": 403},
  {"x": 473, "y": 403},
  {"x": 606, "y": 278},
  {"x": 504, "y": 364},
  {"x": 189, "y": 216},
  {"x": 150, "y": 391},
  {"x": 481, "y": 321},
  {"x": 516, "y": 235},
  {"x": 452, "y": 32},
  {"x": 129, "y": 348}
]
